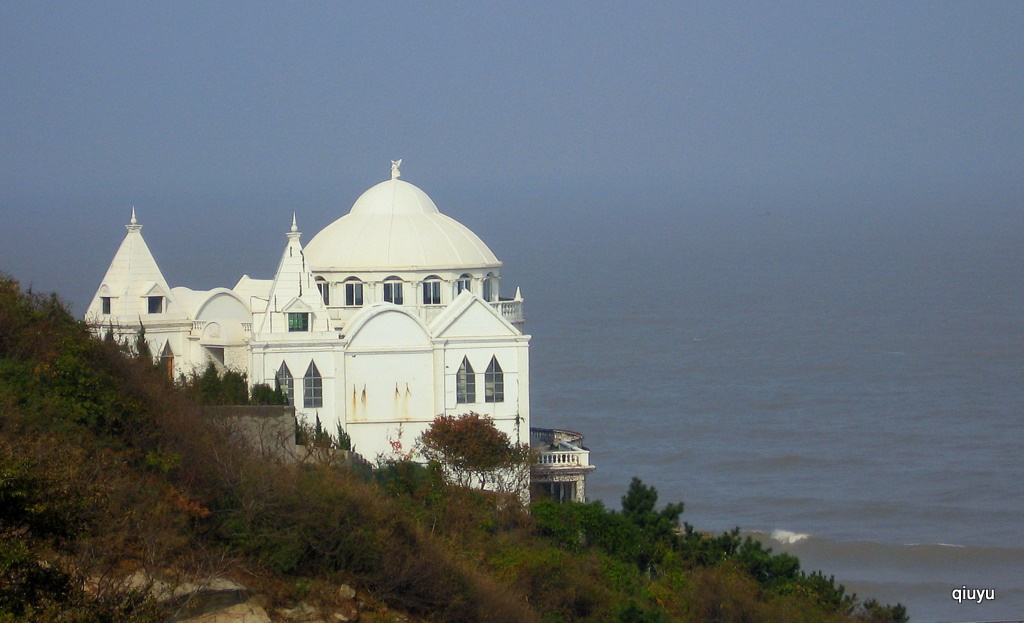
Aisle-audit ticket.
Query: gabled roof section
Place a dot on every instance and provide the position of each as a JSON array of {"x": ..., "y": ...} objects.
[
  {"x": 132, "y": 275},
  {"x": 383, "y": 325},
  {"x": 293, "y": 283},
  {"x": 296, "y": 305},
  {"x": 469, "y": 316},
  {"x": 154, "y": 289}
]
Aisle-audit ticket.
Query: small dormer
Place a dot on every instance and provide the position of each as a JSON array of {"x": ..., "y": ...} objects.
[
  {"x": 156, "y": 299},
  {"x": 299, "y": 316},
  {"x": 296, "y": 302},
  {"x": 106, "y": 300}
]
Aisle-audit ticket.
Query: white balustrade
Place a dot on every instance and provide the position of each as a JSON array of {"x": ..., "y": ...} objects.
[
  {"x": 564, "y": 458},
  {"x": 510, "y": 310}
]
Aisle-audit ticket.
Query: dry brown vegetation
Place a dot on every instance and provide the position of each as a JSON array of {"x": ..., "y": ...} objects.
[{"x": 109, "y": 473}]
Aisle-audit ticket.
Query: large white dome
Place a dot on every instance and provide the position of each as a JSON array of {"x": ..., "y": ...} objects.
[{"x": 395, "y": 226}]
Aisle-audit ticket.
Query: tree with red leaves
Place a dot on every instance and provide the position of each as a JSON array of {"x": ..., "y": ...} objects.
[{"x": 474, "y": 453}]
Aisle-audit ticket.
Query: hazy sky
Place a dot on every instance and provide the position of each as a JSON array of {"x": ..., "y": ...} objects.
[{"x": 218, "y": 120}]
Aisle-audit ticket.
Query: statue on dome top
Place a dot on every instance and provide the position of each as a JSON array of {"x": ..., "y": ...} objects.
[{"x": 395, "y": 173}]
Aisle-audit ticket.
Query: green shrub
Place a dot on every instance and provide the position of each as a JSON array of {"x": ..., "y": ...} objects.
[{"x": 105, "y": 469}]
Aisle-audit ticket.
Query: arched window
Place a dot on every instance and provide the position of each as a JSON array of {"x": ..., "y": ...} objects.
[
  {"x": 325, "y": 290},
  {"x": 167, "y": 359},
  {"x": 312, "y": 388},
  {"x": 286, "y": 383},
  {"x": 494, "y": 382},
  {"x": 465, "y": 383},
  {"x": 353, "y": 292},
  {"x": 393, "y": 290},
  {"x": 432, "y": 290},
  {"x": 490, "y": 288},
  {"x": 465, "y": 283}
]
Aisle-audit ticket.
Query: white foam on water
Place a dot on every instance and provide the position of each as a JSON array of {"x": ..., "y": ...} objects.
[
  {"x": 787, "y": 537},
  {"x": 935, "y": 545}
]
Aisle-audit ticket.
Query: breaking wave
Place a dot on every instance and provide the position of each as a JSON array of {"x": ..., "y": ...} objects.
[{"x": 787, "y": 537}]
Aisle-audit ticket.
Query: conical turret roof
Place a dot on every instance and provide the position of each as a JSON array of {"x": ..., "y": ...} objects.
[{"x": 133, "y": 277}]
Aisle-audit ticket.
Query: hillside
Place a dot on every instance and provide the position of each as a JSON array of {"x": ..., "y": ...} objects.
[{"x": 120, "y": 499}]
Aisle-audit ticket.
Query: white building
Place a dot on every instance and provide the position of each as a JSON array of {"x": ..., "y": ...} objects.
[{"x": 390, "y": 316}]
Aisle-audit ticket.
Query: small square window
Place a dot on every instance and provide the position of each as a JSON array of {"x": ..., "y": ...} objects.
[
  {"x": 156, "y": 304},
  {"x": 298, "y": 321}
]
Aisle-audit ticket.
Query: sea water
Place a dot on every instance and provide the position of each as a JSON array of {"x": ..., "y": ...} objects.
[{"x": 855, "y": 398}]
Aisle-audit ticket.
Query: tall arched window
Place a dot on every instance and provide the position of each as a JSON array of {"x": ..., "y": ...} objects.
[
  {"x": 432, "y": 290},
  {"x": 167, "y": 360},
  {"x": 312, "y": 388},
  {"x": 494, "y": 382},
  {"x": 286, "y": 382},
  {"x": 465, "y": 383}
]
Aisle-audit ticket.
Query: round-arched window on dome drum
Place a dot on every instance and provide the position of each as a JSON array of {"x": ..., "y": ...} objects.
[
  {"x": 353, "y": 292},
  {"x": 490, "y": 288},
  {"x": 325, "y": 290},
  {"x": 432, "y": 290},
  {"x": 393, "y": 290}
]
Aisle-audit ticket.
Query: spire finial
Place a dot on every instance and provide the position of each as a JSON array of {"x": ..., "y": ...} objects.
[
  {"x": 295, "y": 226},
  {"x": 133, "y": 225},
  {"x": 395, "y": 173}
]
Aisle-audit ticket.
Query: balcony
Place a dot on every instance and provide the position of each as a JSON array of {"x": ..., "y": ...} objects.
[
  {"x": 552, "y": 436},
  {"x": 559, "y": 455},
  {"x": 560, "y": 459},
  {"x": 209, "y": 332},
  {"x": 511, "y": 310},
  {"x": 562, "y": 464}
]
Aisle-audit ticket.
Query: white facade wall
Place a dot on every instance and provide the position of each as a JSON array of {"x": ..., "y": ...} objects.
[{"x": 386, "y": 371}]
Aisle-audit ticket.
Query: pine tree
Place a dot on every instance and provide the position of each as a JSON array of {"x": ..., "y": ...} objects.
[{"x": 141, "y": 345}]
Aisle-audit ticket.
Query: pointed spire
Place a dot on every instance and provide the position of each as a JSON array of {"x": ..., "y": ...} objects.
[
  {"x": 133, "y": 277},
  {"x": 294, "y": 233},
  {"x": 292, "y": 281},
  {"x": 133, "y": 225}
]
